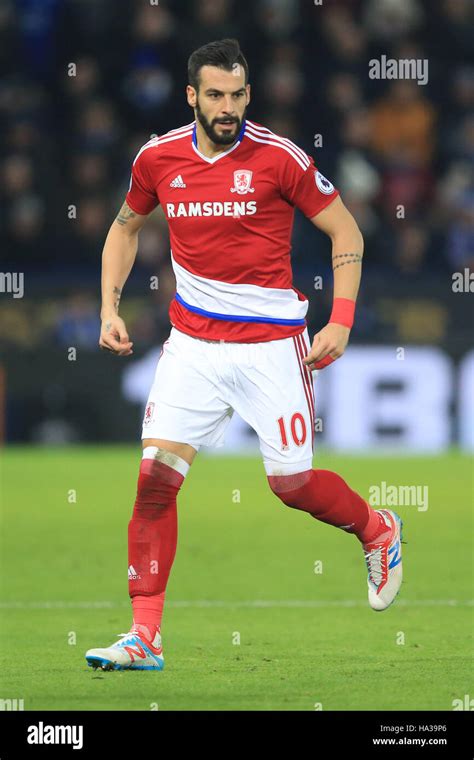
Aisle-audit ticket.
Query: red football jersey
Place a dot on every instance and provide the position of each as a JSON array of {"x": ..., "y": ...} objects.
[{"x": 230, "y": 220}]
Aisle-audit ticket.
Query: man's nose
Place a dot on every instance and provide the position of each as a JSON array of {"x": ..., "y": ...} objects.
[{"x": 228, "y": 105}]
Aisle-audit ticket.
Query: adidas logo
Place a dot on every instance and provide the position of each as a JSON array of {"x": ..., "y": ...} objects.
[
  {"x": 178, "y": 182},
  {"x": 132, "y": 574}
]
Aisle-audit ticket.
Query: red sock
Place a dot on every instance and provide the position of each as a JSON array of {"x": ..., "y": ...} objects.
[
  {"x": 375, "y": 530},
  {"x": 147, "y": 613},
  {"x": 152, "y": 540},
  {"x": 327, "y": 497}
]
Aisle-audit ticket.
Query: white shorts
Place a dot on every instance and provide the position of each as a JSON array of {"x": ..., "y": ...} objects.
[{"x": 199, "y": 383}]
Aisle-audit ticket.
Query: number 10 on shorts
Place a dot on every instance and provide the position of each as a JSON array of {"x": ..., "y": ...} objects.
[{"x": 297, "y": 428}]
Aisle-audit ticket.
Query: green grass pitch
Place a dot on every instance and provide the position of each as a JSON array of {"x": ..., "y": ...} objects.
[{"x": 244, "y": 572}]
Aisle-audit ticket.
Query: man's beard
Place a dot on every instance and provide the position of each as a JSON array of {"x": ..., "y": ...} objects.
[{"x": 209, "y": 127}]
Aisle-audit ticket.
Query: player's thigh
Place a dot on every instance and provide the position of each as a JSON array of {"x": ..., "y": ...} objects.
[
  {"x": 276, "y": 398},
  {"x": 186, "y": 404},
  {"x": 182, "y": 450}
]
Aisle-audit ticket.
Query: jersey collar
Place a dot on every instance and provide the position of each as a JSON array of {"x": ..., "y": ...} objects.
[{"x": 224, "y": 153}]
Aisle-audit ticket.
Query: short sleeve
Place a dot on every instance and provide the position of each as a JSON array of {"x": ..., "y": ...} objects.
[
  {"x": 302, "y": 185},
  {"x": 141, "y": 196}
]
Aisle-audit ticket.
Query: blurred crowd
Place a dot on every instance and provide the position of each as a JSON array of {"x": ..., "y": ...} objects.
[{"x": 85, "y": 83}]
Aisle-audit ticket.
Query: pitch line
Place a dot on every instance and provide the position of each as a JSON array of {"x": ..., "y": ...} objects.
[{"x": 226, "y": 604}]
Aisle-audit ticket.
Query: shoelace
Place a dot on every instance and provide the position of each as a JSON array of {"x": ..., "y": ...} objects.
[
  {"x": 375, "y": 565},
  {"x": 125, "y": 635}
]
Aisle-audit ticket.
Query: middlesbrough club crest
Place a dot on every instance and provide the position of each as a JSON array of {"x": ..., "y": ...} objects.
[
  {"x": 242, "y": 182},
  {"x": 149, "y": 413}
]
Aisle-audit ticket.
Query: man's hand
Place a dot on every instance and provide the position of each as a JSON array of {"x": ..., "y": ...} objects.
[
  {"x": 328, "y": 345},
  {"x": 114, "y": 336}
]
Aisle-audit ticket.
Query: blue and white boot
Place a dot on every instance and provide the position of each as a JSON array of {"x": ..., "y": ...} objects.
[{"x": 131, "y": 652}]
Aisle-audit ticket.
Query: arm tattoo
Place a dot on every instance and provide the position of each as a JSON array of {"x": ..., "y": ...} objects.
[
  {"x": 344, "y": 255},
  {"x": 117, "y": 293},
  {"x": 125, "y": 214},
  {"x": 356, "y": 259},
  {"x": 108, "y": 326}
]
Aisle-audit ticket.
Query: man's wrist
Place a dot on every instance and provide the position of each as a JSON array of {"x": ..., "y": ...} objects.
[
  {"x": 110, "y": 307},
  {"x": 107, "y": 312}
]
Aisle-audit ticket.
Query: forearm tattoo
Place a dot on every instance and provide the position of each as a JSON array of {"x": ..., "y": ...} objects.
[
  {"x": 352, "y": 258},
  {"x": 117, "y": 293},
  {"x": 125, "y": 214},
  {"x": 344, "y": 255}
]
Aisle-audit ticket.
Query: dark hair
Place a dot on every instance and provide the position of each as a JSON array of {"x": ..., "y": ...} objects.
[{"x": 223, "y": 53}]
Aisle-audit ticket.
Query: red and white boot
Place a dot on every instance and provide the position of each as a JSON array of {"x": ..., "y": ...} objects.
[{"x": 384, "y": 563}]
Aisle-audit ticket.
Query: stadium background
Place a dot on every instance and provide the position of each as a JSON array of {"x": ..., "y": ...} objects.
[
  {"x": 244, "y": 565},
  {"x": 69, "y": 136}
]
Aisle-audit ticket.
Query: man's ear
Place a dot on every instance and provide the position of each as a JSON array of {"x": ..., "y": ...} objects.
[
  {"x": 248, "y": 93},
  {"x": 191, "y": 96}
]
